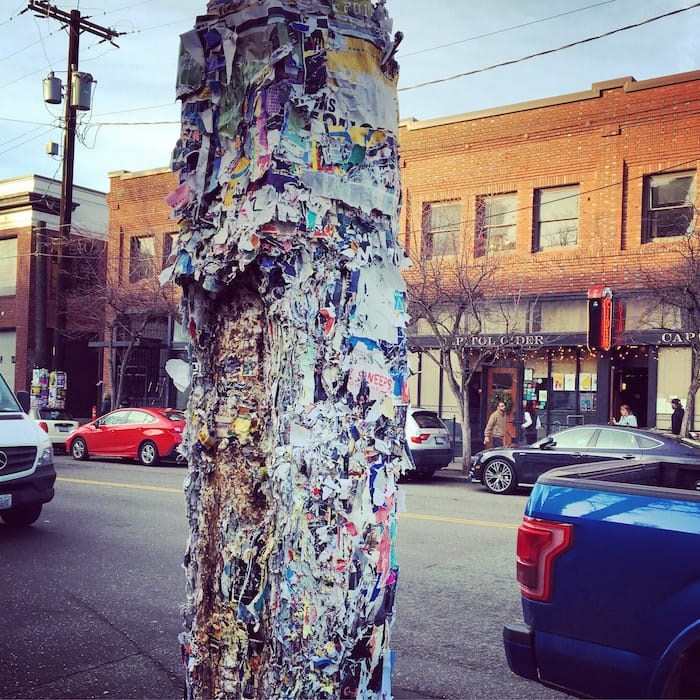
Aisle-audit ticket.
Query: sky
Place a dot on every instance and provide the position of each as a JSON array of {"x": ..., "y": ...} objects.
[{"x": 134, "y": 121}]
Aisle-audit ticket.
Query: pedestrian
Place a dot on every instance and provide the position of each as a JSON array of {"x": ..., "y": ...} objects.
[
  {"x": 531, "y": 422},
  {"x": 626, "y": 417},
  {"x": 677, "y": 416},
  {"x": 495, "y": 430},
  {"x": 106, "y": 405}
]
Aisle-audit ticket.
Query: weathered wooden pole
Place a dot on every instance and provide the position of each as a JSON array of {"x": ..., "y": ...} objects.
[{"x": 294, "y": 301}]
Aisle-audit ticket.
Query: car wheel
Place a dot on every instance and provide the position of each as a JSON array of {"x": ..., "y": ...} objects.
[
  {"x": 79, "y": 449},
  {"x": 21, "y": 517},
  {"x": 499, "y": 476},
  {"x": 148, "y": 454}
]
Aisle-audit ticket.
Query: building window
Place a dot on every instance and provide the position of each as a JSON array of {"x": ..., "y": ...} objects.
[
  {"x": 441, "y": 229},
  {"x": 8, "y": 266},
  {"x": 556, "y": 217},
  {"x": 495, "y": 217},
  {"x": 669, "y": 205},
  {"x": 141, "y": 258},
  {"x": 169, "y": 241},
  {"x": 533, "y": 319}
]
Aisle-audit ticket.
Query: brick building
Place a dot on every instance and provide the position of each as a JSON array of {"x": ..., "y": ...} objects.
[
  {"x": 31, "y": 259},
  {"x": 141, "y": 233},
  {"x": 572, "y": 197},
  {"x": 569, "y": 196}
]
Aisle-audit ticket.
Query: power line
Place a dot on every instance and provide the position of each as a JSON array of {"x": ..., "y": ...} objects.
[
  {"x": 670, "y": 169},
  {"x": 549, "y": 51},
  {"x": 505, "y": 29}
]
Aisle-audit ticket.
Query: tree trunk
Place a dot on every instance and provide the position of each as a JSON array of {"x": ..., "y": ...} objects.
[
  {"x": 293, "y": 297},
  {"x": 466, "y": 441},
  {"x": 687, "y": 424}
]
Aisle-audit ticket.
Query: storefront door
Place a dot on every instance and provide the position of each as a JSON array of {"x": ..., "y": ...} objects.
[
  {"x": 505, "y": 379},
  {"x": 630, "y": 386}
]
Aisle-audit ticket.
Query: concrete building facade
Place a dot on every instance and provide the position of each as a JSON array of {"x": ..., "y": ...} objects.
[{"x": 32, "y": 256}]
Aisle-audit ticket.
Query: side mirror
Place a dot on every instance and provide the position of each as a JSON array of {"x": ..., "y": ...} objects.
[{"x": 547, "y": 442}]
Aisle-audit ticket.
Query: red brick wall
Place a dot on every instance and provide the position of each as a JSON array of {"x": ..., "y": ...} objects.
[
  {"x": 605, "y": 140},
  {"x": 17, "y": 313},
  {"x": 605, "y": 144},
  {"x": 137, "y": 207}
]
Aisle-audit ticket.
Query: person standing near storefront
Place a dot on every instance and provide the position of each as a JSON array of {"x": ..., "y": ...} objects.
[
  {"x": 626, "y": 417},
  {"x": 530, "y": 422},
  {"x": 495, "y": 430},
  {"x": 677, "y": 416}
]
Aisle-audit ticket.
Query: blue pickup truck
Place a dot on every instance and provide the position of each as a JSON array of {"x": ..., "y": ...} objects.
[{"x": 608, "y": 561}]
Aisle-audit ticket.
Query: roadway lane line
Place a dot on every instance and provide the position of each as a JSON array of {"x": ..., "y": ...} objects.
[
  {"x": 462, "y": 521},
  {"x": 166, "y": 489},
  {"x": 116, "y": 484}
]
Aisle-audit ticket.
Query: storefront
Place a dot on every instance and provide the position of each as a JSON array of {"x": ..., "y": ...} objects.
[{"x": 571, "y": 383}]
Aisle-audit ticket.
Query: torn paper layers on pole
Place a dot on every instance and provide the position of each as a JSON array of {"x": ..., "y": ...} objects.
[{"x": 294, "y": 301}]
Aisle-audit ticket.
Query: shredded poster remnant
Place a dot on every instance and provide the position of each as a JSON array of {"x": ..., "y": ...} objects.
[{"x": 295, "y": 305}]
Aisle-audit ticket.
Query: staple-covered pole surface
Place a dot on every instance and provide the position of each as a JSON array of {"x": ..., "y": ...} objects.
[{"x": 294, "y": 301}]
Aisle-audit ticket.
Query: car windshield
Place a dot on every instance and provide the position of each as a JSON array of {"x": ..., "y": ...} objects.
[
  {"x": 175, "y": 415},
  {"x": 54, "y": 414},
  {"x": 426, "y": 419},
  {"x": 8, "y": 402},
  {"x": 573, "y": 438}
]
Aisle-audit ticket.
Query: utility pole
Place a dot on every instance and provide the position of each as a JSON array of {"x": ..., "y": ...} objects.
[
  {"x": 40, "y": 278},
  {"x": 73, "y": 101},
  {"x": 293, "y": 296}
]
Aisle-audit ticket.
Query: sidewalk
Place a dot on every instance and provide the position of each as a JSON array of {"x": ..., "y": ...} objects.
[{"x": 452, "y": 472}]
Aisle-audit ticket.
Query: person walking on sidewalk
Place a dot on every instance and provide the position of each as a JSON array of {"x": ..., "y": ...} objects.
[
  {"x": 677, "y": 416},
  {"x": 495, "y": 430},
  {"x": 531, "y": 422}
]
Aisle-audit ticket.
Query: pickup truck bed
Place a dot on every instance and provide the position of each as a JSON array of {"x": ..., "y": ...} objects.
[{"x": 613, "y": 610}]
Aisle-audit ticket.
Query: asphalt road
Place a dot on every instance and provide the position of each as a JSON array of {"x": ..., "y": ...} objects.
[{"x": 90, "y": 595}]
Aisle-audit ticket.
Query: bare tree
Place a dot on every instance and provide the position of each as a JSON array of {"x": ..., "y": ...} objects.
[
  {"x": 109, "y": 307},
  {"x": 673, "y": 301},
  {"x": 456, "y": 293}
]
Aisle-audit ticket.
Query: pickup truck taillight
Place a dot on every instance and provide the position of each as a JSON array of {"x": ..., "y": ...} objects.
[{"x": 539, "y": 543}]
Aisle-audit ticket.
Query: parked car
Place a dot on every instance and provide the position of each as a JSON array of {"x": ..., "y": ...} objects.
[
  {"x": 57, "y": 423},
  {"x": 503, "y": 469},
  {"x": 429, "y": 441},
  {"x": 27, "y": 472},
  {"x": 608, "y": 561},
  {"x": 146, "y": 434}
]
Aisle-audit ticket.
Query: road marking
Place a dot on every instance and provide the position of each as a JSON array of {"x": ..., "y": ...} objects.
[
  {"x": 462, "y": 521},
  {"x": 162, "y": 489},
  {"x": 166, "y": 489}
]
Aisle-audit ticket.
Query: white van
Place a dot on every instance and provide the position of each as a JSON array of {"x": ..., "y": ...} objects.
[{"x": 27, "y": 474}]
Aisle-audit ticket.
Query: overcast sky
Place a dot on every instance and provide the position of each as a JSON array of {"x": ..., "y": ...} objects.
[{"x": 133, "y": 123}]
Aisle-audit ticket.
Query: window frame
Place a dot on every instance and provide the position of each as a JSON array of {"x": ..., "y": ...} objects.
[
  {"x": 555, "y": 217},
  {"x": 652, "y": 215},
  {"x": 8, "y": 263},
  {"x": 142, "y": 263},
  {"x": 449, "y": 243},
  {"x": 484, "y": 229},
  {"x": 169, "y": 241}
]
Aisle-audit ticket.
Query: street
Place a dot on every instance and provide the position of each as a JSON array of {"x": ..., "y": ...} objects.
[{"x": 91, "y": 594}]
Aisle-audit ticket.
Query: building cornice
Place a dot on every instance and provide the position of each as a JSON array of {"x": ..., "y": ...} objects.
[
  {"x": 627, "y": 83},
  {"x": 42, "y": 203}
]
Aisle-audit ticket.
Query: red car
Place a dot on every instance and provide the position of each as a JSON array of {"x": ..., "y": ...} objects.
[{"x": 146, "y": 434}]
